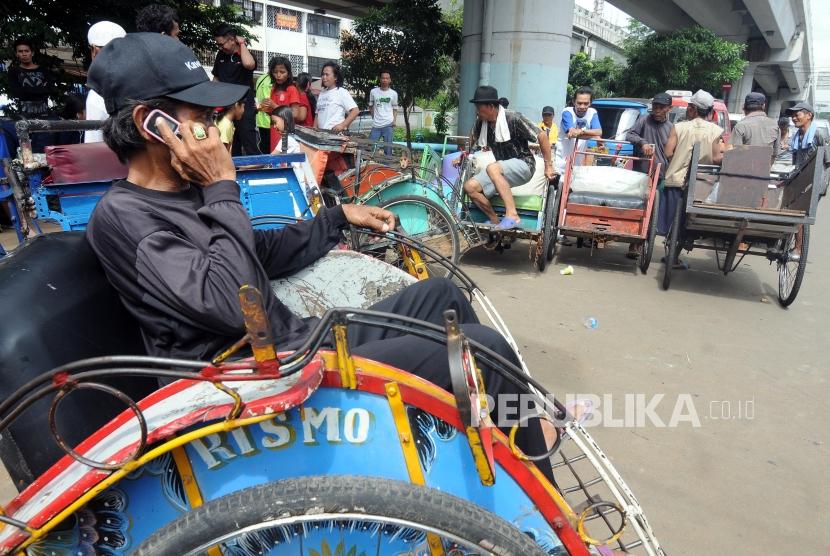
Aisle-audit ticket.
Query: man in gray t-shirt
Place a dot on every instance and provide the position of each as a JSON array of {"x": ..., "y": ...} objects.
[{"x": 756, "y": 128}]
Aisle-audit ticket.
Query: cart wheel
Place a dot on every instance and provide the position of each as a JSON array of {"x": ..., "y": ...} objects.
[
  {"x": 541, "y": 259},
  {"x": 647, "y": 249},
  {"x": 359, "y": 511},
  {"x": 548, "y": 240},
  {"x": 791, "y": 266},
  {"x": 426, "y": 221},
  {"x": 672, "y": 246},
  {"x": 552, "y": 216}
]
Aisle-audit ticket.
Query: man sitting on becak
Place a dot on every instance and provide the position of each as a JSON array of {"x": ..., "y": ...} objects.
[
  {"x": 508, "y": 134},
  {"x": 177, "y": 244}
]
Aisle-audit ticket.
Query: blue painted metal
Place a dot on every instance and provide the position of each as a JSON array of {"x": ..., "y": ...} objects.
[
  {"x": 434, "y": 146},
  {"x": 336, "y": 432},
  {"x": 271, "y": 188},
  {"x": 607, "y": 104}
]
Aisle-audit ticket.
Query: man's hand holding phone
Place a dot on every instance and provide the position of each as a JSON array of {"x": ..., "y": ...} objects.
[{"x": 202, "y": 161}]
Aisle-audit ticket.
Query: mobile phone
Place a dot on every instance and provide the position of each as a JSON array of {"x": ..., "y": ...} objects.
[{"x": 150, "y": 123}]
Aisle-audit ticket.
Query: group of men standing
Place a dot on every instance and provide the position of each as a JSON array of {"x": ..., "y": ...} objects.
[{"x": 653, "y": 134}]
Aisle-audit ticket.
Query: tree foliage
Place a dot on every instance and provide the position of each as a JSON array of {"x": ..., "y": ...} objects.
[
  {"x": 52, "y": 24},
  {"x": 691, "y": 58},
  {"x": 603, "y": 75},
  {"x": 412, "y": 40}
]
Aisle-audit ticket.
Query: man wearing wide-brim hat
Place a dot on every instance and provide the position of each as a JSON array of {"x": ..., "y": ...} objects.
[{"x": 508, "y": 135}]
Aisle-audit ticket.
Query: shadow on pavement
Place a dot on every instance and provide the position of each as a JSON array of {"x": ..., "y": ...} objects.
[
  {"x": 517, "y": 260},
  {"x": 704, "y": 278}
]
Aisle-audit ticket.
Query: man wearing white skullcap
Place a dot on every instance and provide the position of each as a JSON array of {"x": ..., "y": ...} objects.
[{"x": 98, "y": 36}]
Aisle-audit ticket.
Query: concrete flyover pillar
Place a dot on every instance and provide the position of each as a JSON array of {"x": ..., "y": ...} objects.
[
  {"x": 775, "y": 106},
  {"x": 740, "y": 89},
  {"x": 521, "y": 48}
]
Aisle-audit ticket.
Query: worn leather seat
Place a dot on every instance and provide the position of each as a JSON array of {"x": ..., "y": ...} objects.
[{"x": 56, "y": 306}]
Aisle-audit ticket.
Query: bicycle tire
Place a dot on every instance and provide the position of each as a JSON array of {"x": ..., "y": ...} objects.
[
  {"x": 647, "y": 250},
  {"x": 302, "y": 499},
  {"x": 446, "y": 241},
  {"x": 672, "y": 245},
  {"x": 786, "y": 295}
]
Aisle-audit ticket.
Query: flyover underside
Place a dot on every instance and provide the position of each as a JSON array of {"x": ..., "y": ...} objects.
[{"x": 776, "y": 32}]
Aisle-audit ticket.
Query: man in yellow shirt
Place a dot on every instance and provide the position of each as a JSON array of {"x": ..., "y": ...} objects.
[{"x": 548, "y": 126}]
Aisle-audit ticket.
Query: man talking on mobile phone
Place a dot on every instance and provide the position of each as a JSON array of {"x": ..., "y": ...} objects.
[{"x": 177, "y": 244}]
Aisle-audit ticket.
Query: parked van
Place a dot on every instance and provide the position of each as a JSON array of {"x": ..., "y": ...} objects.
[{"x": 617, "y": 116}]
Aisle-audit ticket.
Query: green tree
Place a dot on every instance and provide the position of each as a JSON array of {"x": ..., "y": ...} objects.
[
  {"x": 602, "y": 75},
  {"x": 409, "y": 38},
  {"x": 692, "y": 58},
  {"x": 52, "y": 25}
]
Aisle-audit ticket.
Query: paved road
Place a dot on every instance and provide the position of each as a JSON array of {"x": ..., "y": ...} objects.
[{"x": 734, "y": 485}]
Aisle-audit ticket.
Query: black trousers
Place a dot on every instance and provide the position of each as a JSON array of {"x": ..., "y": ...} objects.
[
  {"x": 246, "y": 136},
  {"x": 427, "y": 359},
  {"x": 264, "y": 139}
]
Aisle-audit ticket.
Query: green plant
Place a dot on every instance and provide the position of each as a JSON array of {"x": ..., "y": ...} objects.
[
  {"x": 691, "y": 58},
  {"x": 51, "y": 24},
  {"x": 410, "y": 38}
]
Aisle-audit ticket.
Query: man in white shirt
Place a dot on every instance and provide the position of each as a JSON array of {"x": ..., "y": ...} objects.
[
  {"x": 383, "y": 103},
  {"x": 336, "y": 108},
  {"x": 98, "y": 36},
  {"x": 580, "y": 123}
]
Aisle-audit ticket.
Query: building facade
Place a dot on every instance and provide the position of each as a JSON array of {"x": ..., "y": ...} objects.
[{"x": 307, "y": 38}]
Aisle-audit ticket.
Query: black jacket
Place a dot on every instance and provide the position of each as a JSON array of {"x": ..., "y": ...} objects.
[{"x": 179, "y": 259}]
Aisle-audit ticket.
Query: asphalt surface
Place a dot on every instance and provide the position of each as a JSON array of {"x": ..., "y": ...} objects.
[{"x": 752, "y": 478}]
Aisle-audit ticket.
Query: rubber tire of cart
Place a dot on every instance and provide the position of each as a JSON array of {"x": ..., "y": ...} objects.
[
  {"x": 647, "y": 248},
  {"x": 786, "y": 300},
  {"x": 552, "y": 217},
  {"x": 672, "y": 245},
  {"x": 306, "y": 496}
]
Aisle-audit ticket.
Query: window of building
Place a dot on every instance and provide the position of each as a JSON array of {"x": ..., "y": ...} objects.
[
  {"x": 323, "y": 26},
  {"x": 297, "y": 61},
  {"x": 285, "y": 19},
  {"x": 315, "y": 65},
  {"x": 250, "y": 9},
  {"x": 258, "y": 56}
]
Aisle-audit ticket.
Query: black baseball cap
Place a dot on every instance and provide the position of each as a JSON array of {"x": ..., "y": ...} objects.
[
  {"x": 142, "y": 66},
  {"x": 548, "y": 110},
  {"x": 800, "y": 106},
  {"x": 663, "y": 99},
  {"x": 755, "y": 99}
]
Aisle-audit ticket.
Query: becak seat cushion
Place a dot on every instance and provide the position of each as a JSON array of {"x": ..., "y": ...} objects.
[{"x": 84, "y": 163}]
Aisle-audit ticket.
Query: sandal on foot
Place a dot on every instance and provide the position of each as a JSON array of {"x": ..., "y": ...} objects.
[{"x": 507, "y": 223}]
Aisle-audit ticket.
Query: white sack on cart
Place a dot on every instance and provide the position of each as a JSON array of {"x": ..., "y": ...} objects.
[{"x": 609, "y": 180}]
